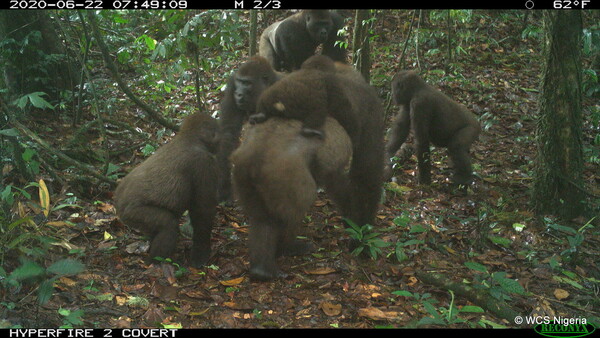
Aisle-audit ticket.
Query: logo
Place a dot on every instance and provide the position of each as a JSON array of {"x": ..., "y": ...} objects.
[{"x": 557, "y": 330}]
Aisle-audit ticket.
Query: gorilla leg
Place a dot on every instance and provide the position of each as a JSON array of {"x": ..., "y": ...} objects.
[
  {"x": 423, "y": 155},
  {"x": 201, "y": 217},
  {"x": 161, "y": 225},
  {"x": 263, "y": 244},
  {"x": 338, "y": 188},
  {"x": 398, "y": 133},
  {"x": 458, "y": 151}
]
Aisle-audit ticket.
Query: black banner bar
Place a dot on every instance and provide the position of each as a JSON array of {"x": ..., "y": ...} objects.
[{"x": 297, "y": 4}]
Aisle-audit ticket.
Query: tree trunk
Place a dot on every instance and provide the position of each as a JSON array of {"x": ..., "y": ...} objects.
[
  {"x": 32, "y": 54},
  {"x": 360, "y": 43},
  {"x": 253, "y": 31},
  {"x": 558, "y": 183}
]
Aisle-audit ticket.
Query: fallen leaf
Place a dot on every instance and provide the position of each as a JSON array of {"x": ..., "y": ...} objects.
[
  {"x": 331, "y": 309},
  {"x": 44, "y": 197},
  {"x": 232, "y": 282},
  {"x": 320, "y": 203},
  {"x": 104, "y": 245},
  {"x": 320, "y": 271},
  {"x": 122, "y": 322},
  {"x": 121, "y": 300},
  {"x": 242, "y": 306},
  {"x": 105, "y": 207},
  {"x": 198, "y": 294},
  {"x": 154, "y": 315},
  {"x": 107, "y": 236},
  {"x": 412, "y": 281},
  {"x": 67, "y": 281},
  {"x": 58, "y": 223},
  {"x": 65, "y": 245},
  {"x": 199, "y": 313},
  {"x": 377, "y": 314},
  {"x": 561, "y": 294}
]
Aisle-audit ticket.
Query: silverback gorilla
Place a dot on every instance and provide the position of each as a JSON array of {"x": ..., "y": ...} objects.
[
  {"x": 276, "y": 171},
  {"x": 239, "y": 101},
  {"x": 435, "y": 118},
  {"x": 181, "y": 175},
  {"x": 287, "y": 43}
]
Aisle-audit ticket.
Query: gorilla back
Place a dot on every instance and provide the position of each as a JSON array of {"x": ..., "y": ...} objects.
[{"x": 276, "y": 172}]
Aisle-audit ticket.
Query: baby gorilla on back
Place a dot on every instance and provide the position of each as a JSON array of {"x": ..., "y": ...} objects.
[
  {"x": 181, "y": 175},
  {"x": 323, "y": 88},
  {"x": 310, "y": 95}
]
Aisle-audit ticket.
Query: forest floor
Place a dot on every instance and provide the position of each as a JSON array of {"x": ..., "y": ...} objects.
[{"x": 487, "y": 240}]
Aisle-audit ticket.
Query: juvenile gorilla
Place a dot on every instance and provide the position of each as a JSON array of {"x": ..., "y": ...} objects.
[
  {"x": 287, "y": 43},
  {"x": 321, "y": 89},
  {"x": 289, "y": 97},
  {"x": 181, "y": 175},
  {"x": 239, "y": 101},
  {"x": 436, "y": 119},
  {"x": 275, "y": 173}
]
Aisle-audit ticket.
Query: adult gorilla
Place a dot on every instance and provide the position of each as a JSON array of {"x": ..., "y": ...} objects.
[{"x": 288, "y": 43}]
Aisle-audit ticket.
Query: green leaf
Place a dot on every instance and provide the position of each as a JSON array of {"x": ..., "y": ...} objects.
[
  {"x": 401, "y": 221},
  {"x": 505, "y": 242},
  {"x": 26, "y": 271},
  {"x": 45, "y": 291},
  {"x": 37, "y": 100},
  {"x": 66, "y": 266},
  {"x": 417, "y": 228},
  {"x": 148, "y": 150},
  {"x": 518, "y": 227},
  {"x": 27, "y": 154},
  {"x": 430, "y": 321},
  {"x": 111, "y": 168},
  {"x": 561, "y": 228},
  {"x": 401, "y": 256},
  {"x": 576, "y": 240},
  {"x": 412, "y": 242},
  {"x": 431, "y": 310},
  {"x": 476, "y": 266},
  {"x": 403, "y": 293},
  {"x": 9, "y": 132},
  {"x": 358, "y": 250},
  {"x": 508, "y": 284},
  {"x": 471, "y": 308},
  {"x": 568, "y": 281}
]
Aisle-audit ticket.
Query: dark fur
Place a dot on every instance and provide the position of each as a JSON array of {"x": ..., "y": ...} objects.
[
  {"x": 287, "y": 43},
  {"x": 181, "y": 175},
  {"x": 435, "y": 118},
  {"x": 275, "y": 174},
  {"x": 239, "y": 101},
  {"x": 313, "y": 93}
]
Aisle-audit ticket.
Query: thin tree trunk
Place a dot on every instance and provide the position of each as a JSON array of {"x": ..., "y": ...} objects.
[
  {"x": 253, "y": 31},
  {"x": 360, "y": 44}
]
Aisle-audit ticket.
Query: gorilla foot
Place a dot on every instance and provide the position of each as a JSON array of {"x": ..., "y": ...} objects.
[{"x": 257, "y": 118}]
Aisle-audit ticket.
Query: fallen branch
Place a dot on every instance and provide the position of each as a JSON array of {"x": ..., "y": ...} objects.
[
  {"x": 31, "y": 135},
  {"x": 497, "y": 307}
]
